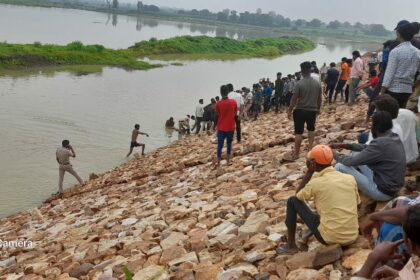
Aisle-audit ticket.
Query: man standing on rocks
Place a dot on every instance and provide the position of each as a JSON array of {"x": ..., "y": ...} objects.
[
  {"x": 278, "y": 91},
  {"x": 240, "y": 104},
  {"x": 63, "y": 155},
  {"x": 226, "y": 109},
  {"x": 336, "y": 199},
  {"x": 134, "y": 143},
  {"x": 199, "y": 113},
  {"x": 305, "y": 105},
  {"x": 357, "y": 72}
]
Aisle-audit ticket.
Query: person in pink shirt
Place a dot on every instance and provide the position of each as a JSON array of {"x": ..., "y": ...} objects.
[{"x": 356, "y": 76}]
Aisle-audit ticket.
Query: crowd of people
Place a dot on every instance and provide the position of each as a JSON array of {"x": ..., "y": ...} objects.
[{"x": 375, "y": 167}]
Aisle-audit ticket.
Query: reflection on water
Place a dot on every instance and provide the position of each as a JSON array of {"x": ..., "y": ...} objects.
[{"x": 111, "y": 30}]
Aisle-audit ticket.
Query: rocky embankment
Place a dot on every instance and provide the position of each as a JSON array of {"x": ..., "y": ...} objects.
[{"x": 169, "y": 215}]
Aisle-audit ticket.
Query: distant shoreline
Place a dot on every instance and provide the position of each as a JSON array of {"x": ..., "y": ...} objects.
[{"x": 289, "y": 31}]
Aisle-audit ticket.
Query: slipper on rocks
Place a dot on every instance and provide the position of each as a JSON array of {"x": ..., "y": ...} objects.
[{"x": 285, "y": 250}]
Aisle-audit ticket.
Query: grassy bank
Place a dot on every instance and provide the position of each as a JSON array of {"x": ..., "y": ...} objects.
[
  {"x": 220, "y": 47},
  {"x": 18, "y": 56},
  {"x": 36, "y": 55}
]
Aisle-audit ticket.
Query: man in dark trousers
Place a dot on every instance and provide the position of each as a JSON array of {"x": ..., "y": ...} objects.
[
  {"x": 279, "y": 85},
  {"x": 226, "y": 110},
  {"x": 240, "y": 104}
]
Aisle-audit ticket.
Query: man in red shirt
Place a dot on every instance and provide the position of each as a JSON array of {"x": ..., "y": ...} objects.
[
  {"x": 226, "y": 110},
  {"x": 370, "y": 85}
]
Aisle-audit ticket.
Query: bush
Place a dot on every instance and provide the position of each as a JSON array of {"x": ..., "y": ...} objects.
[{"x": 75, "y": 46}]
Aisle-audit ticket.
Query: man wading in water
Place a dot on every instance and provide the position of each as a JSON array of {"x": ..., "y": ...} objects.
[{"x": 134, "y": 143}]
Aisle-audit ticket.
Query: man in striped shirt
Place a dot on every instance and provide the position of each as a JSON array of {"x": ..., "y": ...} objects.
[{"x": 404, "y": 62}]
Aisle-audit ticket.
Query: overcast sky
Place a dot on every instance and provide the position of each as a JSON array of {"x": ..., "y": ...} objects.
[{"x": 365, "y": 11}]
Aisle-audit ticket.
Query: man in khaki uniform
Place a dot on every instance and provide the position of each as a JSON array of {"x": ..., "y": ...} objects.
[{"x": 63, "y": 155}]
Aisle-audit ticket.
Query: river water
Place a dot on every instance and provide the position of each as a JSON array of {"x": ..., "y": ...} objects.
[{"x": 98, "y": 111}]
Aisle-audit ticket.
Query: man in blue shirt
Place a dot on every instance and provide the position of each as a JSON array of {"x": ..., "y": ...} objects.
[{"x": 267, "y": 92}]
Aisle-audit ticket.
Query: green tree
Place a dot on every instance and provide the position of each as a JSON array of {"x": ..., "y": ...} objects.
[
  {"x": 233, "y": 16},
  {"x": 315, "y": 23},
  {"x": 334, "y": 24},
  {"x": 300, "y": 22},
  {"x": 377, "y": 30}
]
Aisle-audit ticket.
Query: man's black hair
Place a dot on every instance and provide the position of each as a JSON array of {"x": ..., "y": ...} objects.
[
  {"x": 305, "y": 67},
  {"x": 388, "y": 104},
  {"x": 332, "y": 64},
  {"x": 373, "y": 73},
  {"x": 313, "y": 63},
  {"x": 136, "y": 125},
  {"x": 230, "y": 87},
  {"x": 349, "y": 61},
  {"x": 201, "y": 101},
  {"x": 407, "y": 31},
  {"x": 217, "y": 98},
  {"x": 356, "y": 54},
  {"x": 279, "y": 74},
  {"x": 411, "y": 224},
  {"x": 224, "y": 91},
  {"x": 65, "y": 143},
  {"x": 381, "y": 122},
  {"x": 344, "y": 59}
]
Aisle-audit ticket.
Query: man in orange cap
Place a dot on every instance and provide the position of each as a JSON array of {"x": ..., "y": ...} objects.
[{"x": 336, "y": 199}]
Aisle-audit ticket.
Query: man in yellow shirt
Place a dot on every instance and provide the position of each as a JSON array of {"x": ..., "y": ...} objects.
[{"x": 336, "y": 199}]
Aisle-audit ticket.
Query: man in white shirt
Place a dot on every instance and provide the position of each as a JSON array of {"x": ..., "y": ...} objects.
[
  {"x": 408, "y": 123},
  {"x": 248, "y": 103},
  {"x": 240, "y": 102},
  {"x": 199, "y": 112},
  {"x": 357, "y": 72}
]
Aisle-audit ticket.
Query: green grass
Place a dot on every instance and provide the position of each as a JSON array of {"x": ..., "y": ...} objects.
[
  {"x": 36, "y": 55},
  {"x": 31, "y": 56},
  {"x": 221, "y": 47}
]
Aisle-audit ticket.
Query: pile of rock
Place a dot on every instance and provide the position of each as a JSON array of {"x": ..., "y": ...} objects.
[{"x": 170, "y": 215}]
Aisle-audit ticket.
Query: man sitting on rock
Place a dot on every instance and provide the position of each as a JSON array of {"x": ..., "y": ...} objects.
[
  {"x": 379, "y": 168},
  {"x": 387, "y": 251},
  {"x": 336, "y": 199}
]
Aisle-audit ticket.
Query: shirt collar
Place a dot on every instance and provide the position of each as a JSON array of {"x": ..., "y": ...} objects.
[{"x": 323, "y": 172}]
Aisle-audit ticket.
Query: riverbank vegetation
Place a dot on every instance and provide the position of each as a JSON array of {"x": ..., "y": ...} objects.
[
  {"x": 38, "y": 55},
  {"x": 15, "y": 56},
  {"x": 221, "y": 47},
  {"x": 258, "y": 19}
]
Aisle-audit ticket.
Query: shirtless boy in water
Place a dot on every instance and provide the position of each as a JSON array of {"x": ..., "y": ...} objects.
[{"x": 134, "y": 143}]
